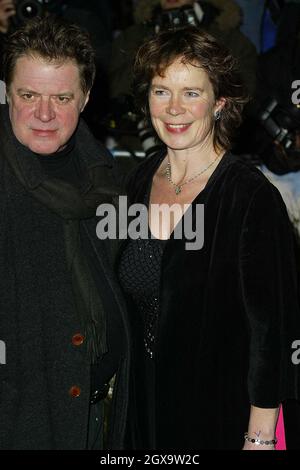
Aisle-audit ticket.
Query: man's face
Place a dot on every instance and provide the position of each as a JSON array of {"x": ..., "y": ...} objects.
[
  {"x": 45, "y": 101},
  {"x": 168, "y": 4}
]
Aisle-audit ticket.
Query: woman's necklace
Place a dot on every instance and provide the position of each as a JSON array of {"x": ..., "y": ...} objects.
[{"x": 178, "y": 187}]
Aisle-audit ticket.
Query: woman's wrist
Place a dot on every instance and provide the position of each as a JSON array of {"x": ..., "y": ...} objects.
[
  {"x": 262, "y": 423},
  {"x": 263, "y": 439},
  {"x": 261, "y": 429},
  {"x": 261, "y": 432}
]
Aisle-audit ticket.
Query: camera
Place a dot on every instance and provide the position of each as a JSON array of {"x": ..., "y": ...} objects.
[
  {"x": 281, "y": 122},
  {"x": 26, "y": 9},
  {"x": 199, "y": 13},
  {"x": 279, "y": 146}
]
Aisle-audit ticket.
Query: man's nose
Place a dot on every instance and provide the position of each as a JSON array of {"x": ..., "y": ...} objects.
[
  {"x": 175, "y": 106},
  {"x": 45, "y": 110}
]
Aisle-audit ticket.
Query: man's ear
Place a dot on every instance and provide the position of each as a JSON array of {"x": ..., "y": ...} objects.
[{"x": 86, "y": 100}]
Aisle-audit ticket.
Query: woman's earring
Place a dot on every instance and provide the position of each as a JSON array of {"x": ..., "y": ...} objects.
[{"x": 217, "y": 115}]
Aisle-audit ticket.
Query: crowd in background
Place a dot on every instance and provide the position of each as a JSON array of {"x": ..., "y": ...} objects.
[{"x": 262, "y": 35}]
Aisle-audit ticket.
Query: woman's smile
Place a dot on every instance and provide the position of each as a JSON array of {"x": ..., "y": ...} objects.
[{"x": 177, "y": 128}]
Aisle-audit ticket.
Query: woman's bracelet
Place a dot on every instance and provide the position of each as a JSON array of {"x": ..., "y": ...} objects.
[{"x": 260, "y": 441}]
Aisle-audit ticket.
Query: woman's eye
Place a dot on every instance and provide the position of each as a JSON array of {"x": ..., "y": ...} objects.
[
  {"x": 160, "y": 92},
  {"x": 192, "y": 94}
]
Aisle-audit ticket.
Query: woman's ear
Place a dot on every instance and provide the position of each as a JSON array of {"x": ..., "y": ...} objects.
[{"x": 220, "y": 103}]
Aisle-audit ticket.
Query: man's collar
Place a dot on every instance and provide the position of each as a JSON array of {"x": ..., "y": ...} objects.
[{"x": 89, "y": 150}]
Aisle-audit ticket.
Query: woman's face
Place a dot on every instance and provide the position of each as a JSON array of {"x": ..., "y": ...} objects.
[
  {"x": 182, "y": 106},
  {"x": 168, "y": 4}
]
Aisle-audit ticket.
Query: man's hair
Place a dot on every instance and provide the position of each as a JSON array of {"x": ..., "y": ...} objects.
[
  {"x": 193, "y": 46},
  {"x": 54, "y": 40}
]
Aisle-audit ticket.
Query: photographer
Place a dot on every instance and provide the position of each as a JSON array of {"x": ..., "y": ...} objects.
[{"x": 7, "y": 10}]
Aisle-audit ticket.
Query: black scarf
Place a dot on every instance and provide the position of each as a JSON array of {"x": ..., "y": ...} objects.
[{"x": 72, "y": 205}]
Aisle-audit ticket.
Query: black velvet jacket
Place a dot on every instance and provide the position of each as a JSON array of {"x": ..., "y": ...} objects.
[{"x": 228, "y": 316}]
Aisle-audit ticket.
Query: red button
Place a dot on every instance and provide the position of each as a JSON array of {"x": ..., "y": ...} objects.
[
  {"x": 77, "y": 339},
  {"x": 75, "y": 391}
]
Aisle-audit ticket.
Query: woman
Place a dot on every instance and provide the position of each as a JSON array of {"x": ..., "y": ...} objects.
[{"x": 212, "y": 326}]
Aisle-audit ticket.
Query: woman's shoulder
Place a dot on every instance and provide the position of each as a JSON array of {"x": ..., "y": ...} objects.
[
  {"x": 242, "y": 178},
  {"x": 235, "y": 175},
  {"x": 241, "y": 171}
]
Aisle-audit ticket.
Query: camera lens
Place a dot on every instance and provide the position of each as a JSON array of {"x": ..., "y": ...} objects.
[{"x": 29, "y": 9}]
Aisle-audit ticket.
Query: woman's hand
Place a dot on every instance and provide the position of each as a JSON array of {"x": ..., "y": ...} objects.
[{"x": 7, "y": 9}]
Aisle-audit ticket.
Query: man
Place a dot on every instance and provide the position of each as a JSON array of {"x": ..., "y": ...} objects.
[{"x": 61, "y": 317}]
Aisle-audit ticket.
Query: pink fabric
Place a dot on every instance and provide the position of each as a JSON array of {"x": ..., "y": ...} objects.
[{"x": 280, "y": 432}]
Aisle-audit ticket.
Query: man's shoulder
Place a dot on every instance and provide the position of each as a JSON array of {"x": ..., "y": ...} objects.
[{"x": 90, "y": 148}]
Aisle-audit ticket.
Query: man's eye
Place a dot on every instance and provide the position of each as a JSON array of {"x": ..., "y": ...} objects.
[
  {"x": 27, "y": 96},
  {"x": 63, "y": 99}
]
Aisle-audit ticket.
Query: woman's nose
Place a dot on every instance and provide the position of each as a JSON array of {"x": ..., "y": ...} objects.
[{"x": 175, "y": 107}]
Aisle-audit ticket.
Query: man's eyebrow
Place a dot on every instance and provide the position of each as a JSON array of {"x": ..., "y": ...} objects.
[
  {"x": 67, "y": 93},
  {"x": 27, "y": 90},
  {"x": 32, "y": 92}
]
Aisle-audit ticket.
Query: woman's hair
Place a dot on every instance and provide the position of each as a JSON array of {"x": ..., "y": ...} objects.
[
  {"x": 54, "y": 40},
  {"x": 200, "y": 49}
]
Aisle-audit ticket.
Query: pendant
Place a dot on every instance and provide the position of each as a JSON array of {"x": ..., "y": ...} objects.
[{"x": 177, "y": 190}]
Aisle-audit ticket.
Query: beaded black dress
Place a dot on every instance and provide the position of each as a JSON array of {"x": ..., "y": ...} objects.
[{"x": 139, "y": 271}]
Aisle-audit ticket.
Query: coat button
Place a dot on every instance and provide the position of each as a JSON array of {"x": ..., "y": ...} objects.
[
  {"x": 77, "y": 339},
  {"x": 74, "y": 391}
]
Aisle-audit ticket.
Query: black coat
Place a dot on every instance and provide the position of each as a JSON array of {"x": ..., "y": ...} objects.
[
  {"x": 37, "y": 314},
  {"x": 228, "y": 317}
]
